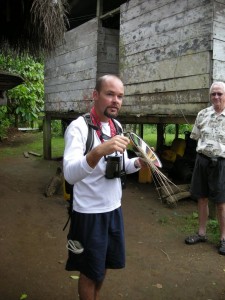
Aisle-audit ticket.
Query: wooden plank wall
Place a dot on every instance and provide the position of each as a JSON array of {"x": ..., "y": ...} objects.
[
  {"x": 108, "y": 51},
  {"x": 70, "y": 74},
  {"x": 165, "y": 56},
  {"x": 169, "y": 52},
  {"x": 219, "y": 41},
  {"x": 89, "y": 51}
]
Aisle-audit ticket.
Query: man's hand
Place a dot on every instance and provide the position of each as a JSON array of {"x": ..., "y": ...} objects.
[
  {"x": 139, "y": 163},
  {"x": 116, "y": 144}
]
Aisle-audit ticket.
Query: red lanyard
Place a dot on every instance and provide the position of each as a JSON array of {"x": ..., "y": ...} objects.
[{"x": 96, "y": 121}]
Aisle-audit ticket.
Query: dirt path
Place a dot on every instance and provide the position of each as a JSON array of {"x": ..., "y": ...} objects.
[{"x": 159, "y": 264}]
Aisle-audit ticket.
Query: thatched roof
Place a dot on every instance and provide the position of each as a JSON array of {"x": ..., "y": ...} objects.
[
  {"x": 36, "y": 26},
  {"x": 32, "y": 26}
]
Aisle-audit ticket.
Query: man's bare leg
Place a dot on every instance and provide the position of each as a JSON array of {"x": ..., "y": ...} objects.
[
  {"x": 88, "y": 289},
  {"x": 97, "y": 290}
]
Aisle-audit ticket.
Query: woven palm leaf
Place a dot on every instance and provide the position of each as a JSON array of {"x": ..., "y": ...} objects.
[{"x": 151, "y": 159}]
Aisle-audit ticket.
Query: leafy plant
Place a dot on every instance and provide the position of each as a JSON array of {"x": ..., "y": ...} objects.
[
  {"x": 56, "y": 127},
  {"x": 213, "y": 230},
  {"x": 26, "y": 101},
  {"x": 4, "y": 122}
]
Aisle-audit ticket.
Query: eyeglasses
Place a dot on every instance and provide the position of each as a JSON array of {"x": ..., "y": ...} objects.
[{"x": 218, "y": 94}]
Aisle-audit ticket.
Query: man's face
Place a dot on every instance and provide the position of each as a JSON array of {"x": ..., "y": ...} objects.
[
  {"x": 108, "y": 100},
  {"x": 217, "y": 97}
]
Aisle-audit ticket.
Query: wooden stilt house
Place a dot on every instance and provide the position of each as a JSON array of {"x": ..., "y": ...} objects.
[{"x": 167, "y": 52}]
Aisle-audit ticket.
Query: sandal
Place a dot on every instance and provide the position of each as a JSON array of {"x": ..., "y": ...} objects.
[
  {"x": 194, "y": 239},
  {"x": 222, "y": 247}
]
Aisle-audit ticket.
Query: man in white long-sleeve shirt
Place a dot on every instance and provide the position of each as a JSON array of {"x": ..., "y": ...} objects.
[{"x": 97, "y": 221}]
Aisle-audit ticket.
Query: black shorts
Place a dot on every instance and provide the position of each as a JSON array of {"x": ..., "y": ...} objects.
[
  {"x": 208, "y": 179},
  {"x": 102, "y": 236}
]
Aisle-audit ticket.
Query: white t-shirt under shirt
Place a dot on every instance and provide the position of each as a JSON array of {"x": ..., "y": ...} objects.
[{"x": 92, "y": 192}]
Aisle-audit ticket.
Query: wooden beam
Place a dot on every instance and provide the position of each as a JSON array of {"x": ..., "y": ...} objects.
[
  {"x": 110, "y": 13},
  {"x": 99, "y": 8},
  {"x": 132, "y": 119},
  {"x": 47, "y": 147}
]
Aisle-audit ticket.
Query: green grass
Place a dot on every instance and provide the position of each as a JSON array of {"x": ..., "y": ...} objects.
[
  {"x": 33, "y": 142},
  {"x": 150, "y": 136},
  {"x": 57, "y": 146},
  {"x": 151, "y": 139},
  {"x": 188, "y": 225}
]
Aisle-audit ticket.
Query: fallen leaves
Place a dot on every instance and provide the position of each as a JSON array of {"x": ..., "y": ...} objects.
[
  {"x": 74, "y": 277},
  {"x": 158, "y": 285}
]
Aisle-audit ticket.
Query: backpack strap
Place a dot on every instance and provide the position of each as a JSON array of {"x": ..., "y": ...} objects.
[
  {"x": 91, "y": 128},
  {"x": 89, "y": 145}
]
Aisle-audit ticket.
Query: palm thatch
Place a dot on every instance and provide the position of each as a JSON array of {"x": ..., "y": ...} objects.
[{"x": 33, "y": 27}]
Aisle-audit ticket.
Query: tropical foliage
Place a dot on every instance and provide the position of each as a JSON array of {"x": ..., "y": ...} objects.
[{"x": 27, "y": 99}]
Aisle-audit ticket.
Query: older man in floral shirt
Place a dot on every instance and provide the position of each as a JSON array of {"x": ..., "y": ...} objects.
[{"x": 208, "y": 180}]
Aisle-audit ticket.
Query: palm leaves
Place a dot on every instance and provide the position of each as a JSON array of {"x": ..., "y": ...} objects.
[{"x": 164, "y": 185}]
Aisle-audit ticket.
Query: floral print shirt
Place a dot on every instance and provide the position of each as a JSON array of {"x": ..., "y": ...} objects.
[{"x": 209, "y": 130}]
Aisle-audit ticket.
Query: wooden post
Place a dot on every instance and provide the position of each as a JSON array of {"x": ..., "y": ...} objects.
[
  {"x": 160, "y": 137},
  {"x": 99, "y": 8},
  {"x": 141, "y": 130},
  {"x": 47, "y": 147},
  {"x": 176, "y": 131}
]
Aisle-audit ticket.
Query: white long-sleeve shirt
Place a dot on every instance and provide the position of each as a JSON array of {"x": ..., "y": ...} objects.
[{"x": 92, "y": 191}]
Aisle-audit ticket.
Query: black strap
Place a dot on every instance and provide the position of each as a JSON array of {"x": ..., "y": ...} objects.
[
  {"x": 91, "y": 128},
  {"x": 89, "y": 145}
]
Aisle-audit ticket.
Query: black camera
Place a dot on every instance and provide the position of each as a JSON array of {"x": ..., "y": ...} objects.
[{"x": 113, "y": 167}]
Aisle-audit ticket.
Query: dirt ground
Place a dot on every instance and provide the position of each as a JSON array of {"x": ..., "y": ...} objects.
[{"x": 159, "y": 265}]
